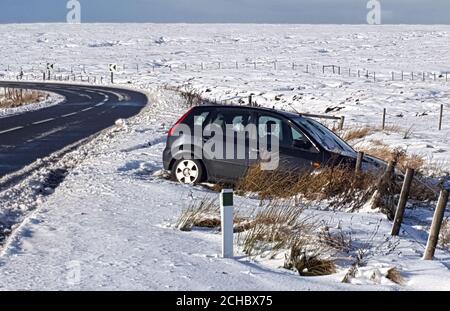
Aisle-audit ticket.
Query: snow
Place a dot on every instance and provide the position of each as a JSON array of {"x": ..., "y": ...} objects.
[
  {"x": 111, "y": 224},
  {"x": 113, "y": 218},
  {"x": 174, "y": 55}
]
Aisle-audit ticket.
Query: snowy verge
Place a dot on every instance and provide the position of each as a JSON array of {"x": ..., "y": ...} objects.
[
  {"x": 110, "y": 225},
  {"x": 53, "y": 99}
]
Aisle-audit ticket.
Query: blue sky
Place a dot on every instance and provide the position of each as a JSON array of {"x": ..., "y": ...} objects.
[{"x": 252, "y": 11}]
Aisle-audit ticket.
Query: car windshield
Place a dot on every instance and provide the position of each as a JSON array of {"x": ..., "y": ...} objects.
[{"x": 324, "y": 136}]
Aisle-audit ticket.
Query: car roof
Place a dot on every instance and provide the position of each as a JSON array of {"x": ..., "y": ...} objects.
[{"x": 262, "y": 109}]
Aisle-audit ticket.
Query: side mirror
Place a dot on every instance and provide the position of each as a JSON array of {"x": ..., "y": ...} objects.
[{"x": 301, "y": 144}]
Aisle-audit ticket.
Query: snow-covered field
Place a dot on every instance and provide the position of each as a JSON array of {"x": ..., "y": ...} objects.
[
  {"x": 111, "y": 223},
  {"x": 146, "y": 52}
]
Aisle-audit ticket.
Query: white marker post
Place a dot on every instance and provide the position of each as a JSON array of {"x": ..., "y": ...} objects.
[{"x": 226, "y": 211}]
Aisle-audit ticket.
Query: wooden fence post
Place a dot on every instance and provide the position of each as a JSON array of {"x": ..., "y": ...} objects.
[
  {"x": 393, "y": 77},
  {"x": 341, "y": 123},
  {"x": 402, "y": 202},
  {"x": 436, "y": 226},
  {"x": 250, "y": 100},
  {"x": 307, "y": 68},
  {"x": 383, "y": 124},
  {"x": 359, "y": 161},
  {"x": 441, "y": 114}
]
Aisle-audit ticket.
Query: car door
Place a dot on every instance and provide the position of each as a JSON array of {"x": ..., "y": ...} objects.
[
  {"x": 296, "y": 152},
  {"x": 230, "y": 164}
]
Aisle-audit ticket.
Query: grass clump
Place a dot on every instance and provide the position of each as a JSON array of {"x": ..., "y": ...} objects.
[
  {"x": 273, "y": 228},
  {"x": 307, "y": 262},
  {"x": 444, "y": 236},
  {"x": 12, "y": 98},
  {"x": 340, "y": 185},
  {"x": 202, "y": 213}
]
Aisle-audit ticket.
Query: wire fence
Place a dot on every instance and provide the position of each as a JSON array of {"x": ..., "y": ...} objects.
[
  {"x": 99, "y": 74},
  {"x": 85, "y": 71}
]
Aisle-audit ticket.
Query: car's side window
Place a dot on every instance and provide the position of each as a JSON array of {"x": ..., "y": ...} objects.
[
  {"x": 270, "y": 124},
  {"x": 201, "y": 118},
  {"x": 300, "y": 141},
  {"x": 219, "y": 120},
  {"x": 237, "y": 120},
  {"x": 298, "y": 136}
]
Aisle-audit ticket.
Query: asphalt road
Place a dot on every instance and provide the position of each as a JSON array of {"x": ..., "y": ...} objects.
[{"x": 26, "y": 137}]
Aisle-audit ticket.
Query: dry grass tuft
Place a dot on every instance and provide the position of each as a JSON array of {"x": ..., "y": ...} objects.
[
  {"x": 394, "y": 275},
  {"x": 357, "y": 133},
  {"x": 203, "y": 213},
  {"x": 12, "y": 98},
  {"x": 191, "y": 97},
  {"x": 392, "y": 129},
  {"x": 338, "y": 184},
  {"x": 307, "y": 262},
  {"x": 444, "y": 236},
  {"x": 273, "y": 229},
  {"x": 339, "y": 241},
  {"x": 398, "y": 155}
]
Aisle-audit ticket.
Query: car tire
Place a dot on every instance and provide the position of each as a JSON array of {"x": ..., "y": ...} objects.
[{"x": 188, "y": 172}]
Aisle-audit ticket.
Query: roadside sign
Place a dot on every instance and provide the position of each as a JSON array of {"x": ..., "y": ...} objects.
[
  {"x": 50, "y": 66},
  {"x": 113, "y": 67}
]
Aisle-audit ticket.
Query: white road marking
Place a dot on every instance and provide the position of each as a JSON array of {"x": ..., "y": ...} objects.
[
  {"x": 69, "y": 114},
  {"x": 12, "y": 129},
  {"x": 100, "y": 104},
  {"x": 87, "y": 109},
  {"x": 44, "y": 121}
]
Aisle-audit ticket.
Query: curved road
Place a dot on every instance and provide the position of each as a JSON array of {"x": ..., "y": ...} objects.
[{"x": 86, "y": 110}]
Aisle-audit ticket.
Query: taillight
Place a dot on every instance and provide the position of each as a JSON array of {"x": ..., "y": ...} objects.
[
  {"x": 316, "y": 165},
  {"x": 173, "y": 129}
]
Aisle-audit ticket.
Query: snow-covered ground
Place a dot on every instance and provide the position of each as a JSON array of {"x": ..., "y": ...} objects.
[
  {"x": 111, "y": 222},
  {"x": 175, "y": 55}
]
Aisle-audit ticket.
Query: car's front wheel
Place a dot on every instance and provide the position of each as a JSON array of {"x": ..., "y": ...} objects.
[{"x": 188, "y": 171}]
